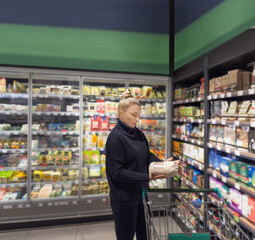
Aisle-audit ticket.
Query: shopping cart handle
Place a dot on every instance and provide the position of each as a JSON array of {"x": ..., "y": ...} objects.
[
  {"x": 217, "y": 190},
  {"x": 182, "y": 190}
]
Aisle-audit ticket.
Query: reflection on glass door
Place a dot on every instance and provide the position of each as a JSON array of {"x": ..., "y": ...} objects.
[
  {"x": 55, "y": 137},
  {"x": 100, "y": 103},
  {"x": 13, "y": 138}
]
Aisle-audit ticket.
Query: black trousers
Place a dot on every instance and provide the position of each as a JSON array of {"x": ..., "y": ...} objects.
[{"x": 129, "y": 219}]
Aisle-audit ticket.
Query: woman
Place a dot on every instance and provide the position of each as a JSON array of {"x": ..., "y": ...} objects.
[{"x": 127, "y": 159}]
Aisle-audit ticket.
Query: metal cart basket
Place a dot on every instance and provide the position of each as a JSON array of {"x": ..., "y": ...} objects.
[{"x": 187, "y": 219}]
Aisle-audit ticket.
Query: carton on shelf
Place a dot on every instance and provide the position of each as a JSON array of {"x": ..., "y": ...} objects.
[
  {"x": 246, "y": 80},
  {"x": 217, "y": 85},
  {"x": 211, "y": 85},
  {"x": 224, "y": 83},
  {"x": 248, "y": 207},
  {"x": 235, "y": 82}
]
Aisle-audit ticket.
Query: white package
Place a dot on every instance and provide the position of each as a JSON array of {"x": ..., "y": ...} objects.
[{"x": 167, "y": 168}]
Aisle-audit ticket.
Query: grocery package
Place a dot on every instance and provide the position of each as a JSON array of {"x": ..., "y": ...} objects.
[
  {"x": 168, "y": 169},
  {"x": 236, "y": 200}
]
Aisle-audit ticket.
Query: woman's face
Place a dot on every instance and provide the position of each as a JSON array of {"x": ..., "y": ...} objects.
[{"x": 131, "y": 116}]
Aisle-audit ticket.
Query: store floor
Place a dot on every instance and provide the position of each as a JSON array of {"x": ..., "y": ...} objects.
[{"x": 86, "y": 231}]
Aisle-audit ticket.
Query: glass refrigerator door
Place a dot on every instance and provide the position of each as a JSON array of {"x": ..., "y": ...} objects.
[
  {"x": 13, "y": 137},
  {"x": 153, "y": 120},
  {"x": 55, "y": 137},
  {"x": 100, "y": 103}
]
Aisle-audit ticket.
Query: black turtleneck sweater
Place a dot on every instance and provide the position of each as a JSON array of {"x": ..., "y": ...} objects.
[{"x": 127, "y": 160}]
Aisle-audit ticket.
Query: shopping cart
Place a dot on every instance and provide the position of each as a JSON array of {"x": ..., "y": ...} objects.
[{"x": 186, "y": 219}]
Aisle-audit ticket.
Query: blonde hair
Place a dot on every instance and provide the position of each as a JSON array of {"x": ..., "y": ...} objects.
[{"x": 127, "y": 101}]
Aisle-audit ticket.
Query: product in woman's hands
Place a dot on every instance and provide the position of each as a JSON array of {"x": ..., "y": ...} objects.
[{"x": 168, "y": 168}]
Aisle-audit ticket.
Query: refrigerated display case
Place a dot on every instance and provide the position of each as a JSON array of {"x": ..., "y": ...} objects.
[
  {"x": 55, "y": 154},
  {"x": 54, "y": 126},
  {"x": 13, "y": 138}
]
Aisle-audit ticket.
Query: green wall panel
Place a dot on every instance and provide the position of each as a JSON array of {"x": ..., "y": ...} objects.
[
  {"x": 84, "y": 49},
  {"x": 217, "y": 26}
]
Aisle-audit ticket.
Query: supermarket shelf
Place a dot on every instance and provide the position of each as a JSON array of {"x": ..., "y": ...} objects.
[
  {"x": 13, "y": 112},
  {"x": 18, "y": 203},
  {"x": 55, "y": 149},
  {"x": 241, "y": 93},
  {"x": 54, "y": 167},
  {"x": 231, "y": 122},
  {"x": 189, "y": 183},
  {"x": 14, "y": 95},
  {"x": 54, "y": 183},
  {"x": 234, "y": 151},
  {"x": 187, "y": 224},
  {"x": 14, "y": 132},
  {"x": 188, "y": 120},
  {"x": 93, "y": 149},
  {"x": 13, "y": 185},
  {"x": 249, "y": 190},
  {"x": 196, "y": 164},
  {"x": 191, "y": 208},
  {"x": 58, "y": 113},
  {"x": 190, "y": 140},
  {"x": 13, "y": 168},
  {"x": 55, "y": 133},
  {"x": 242, "y": 220},
  {"x": 59, "y": 96},
  {"x": 153, "y": 116},
  {"x": 109, "y": 98},
  {"x": 93, "y": 180},
  {"x": 13, "y": 150},
  {"x": 187, "y": 101}
]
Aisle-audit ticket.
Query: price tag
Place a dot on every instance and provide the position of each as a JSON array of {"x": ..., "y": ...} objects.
[
  {"x": 104, "y": 200},
  {"x": 240, "y": 93},
  {"x": 237, "y": 123},
  {"x": 224, "y": 179},
  {"x": 89, "y": 201},
  {"x": 74, "y": 202},
  {"x": 4, "y": 151},
  {"x": 228, "y": 150},
  {"x": 219, "y": 148},
  {"x": 215, "y": 96},
  {"x": 184, "y": 120},
  {"x": 193, "y": 100},
  {"x": 49, "y": 204},
  {"x": 27, "y": 205},
  {"x": 160, "y": 195},
  {"x": 210, "y": 227},
  {"x": 222, "y": 95},
  {"x": 68, "y": 114},
  {"x": 213, "y": 121},
  {"x": 20, "y": 206},
  {"x": 229, "y": 94},
  {"x": 214, "y": 174},
  {"x": 192, "y": 140},
  {"x": 192, "y": 163},
  {"x": 209, "y": 145},
  {"x": 61, "y": 203},
  {"x": 237, "y": 186},
  {"x": 223, "y": 122},
  {"x": 200, "y": 166},
  {"x": 237, "y": 152},
  {"x": 188, "y": 161},
  {"x": 200, "y": 120},
  {"x": 251, "y": 91},
  {"x": 192, "y": 120},
  {"x": 56, "y": 203},
  {"x": 252, "y": 124},
  {"x": 186, "y": 100},
  {"x": 209, "y": 97},
  {"x": 199, "y": 99},
  {"x": 40, "y": 204}
]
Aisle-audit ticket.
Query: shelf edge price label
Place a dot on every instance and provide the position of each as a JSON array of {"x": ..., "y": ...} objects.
[
  {"x": 49, "y": 204},
  {"x": 237, "y": 152},
  {"x": 209, "y": 97},
  {"x": 213, "y": 121},
  {"x": 236, "y": 123},
  {"x": 215, "y": 96},
  {"x": 209, "y": 145},
  {"x": 237, "y": 186},
  {"x": 193, "y": 99},
  {"x": 214, "y": 174},
  {"x": 251, "y": 91},
  {"x": 228, "y": 150},
  {"x": 89, "y": 201},
  {"x": 224, "y": 179},
  {"x": 40, "y": 204},
  {"x": 74, "y": 202},
  {"x": 219, "y": 148},
  {"x": 223, "y": 121},
  {"x": 252, "y": 124},
  {"x": 240, "y": 93},
  {"x": 229, "y": 94},
  {"x": 20, "y": 206},
  {"x": 222, "y": 95}
]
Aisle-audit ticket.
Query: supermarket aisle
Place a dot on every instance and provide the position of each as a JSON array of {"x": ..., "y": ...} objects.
[{"x": 86, "y": 231}]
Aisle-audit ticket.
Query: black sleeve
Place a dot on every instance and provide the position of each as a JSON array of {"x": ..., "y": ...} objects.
[{"x": 115, "y": 161}]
